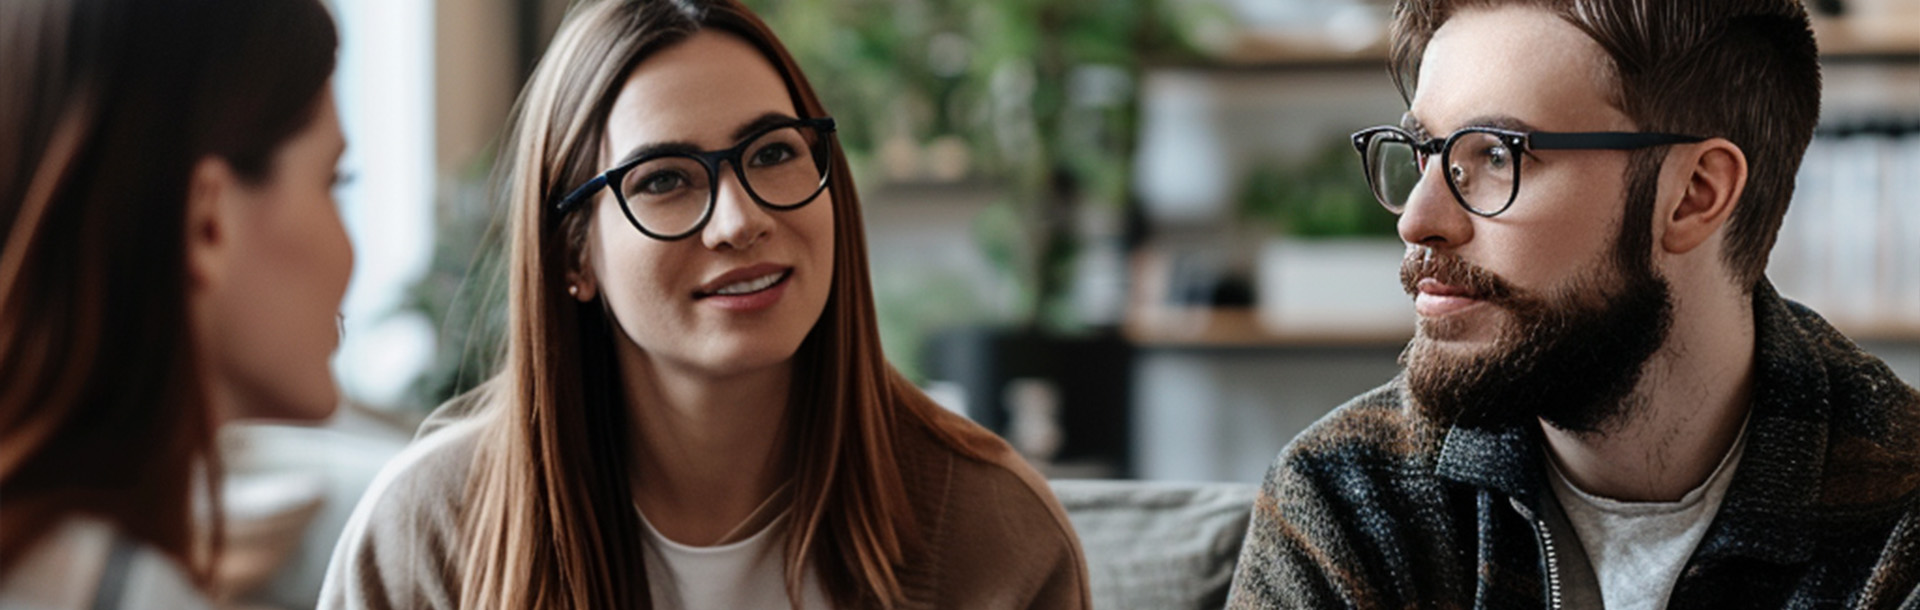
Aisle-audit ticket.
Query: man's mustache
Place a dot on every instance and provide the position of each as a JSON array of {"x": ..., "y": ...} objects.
[{"x": 1476, "y": 282}]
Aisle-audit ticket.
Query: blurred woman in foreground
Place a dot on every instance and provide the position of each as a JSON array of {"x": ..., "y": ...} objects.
[{"x": 172, "y": 259}]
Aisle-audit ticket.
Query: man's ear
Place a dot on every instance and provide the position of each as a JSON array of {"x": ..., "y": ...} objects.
[
  {"x": 209, "y": 237},
  {"x": 1715, "y": 172}
]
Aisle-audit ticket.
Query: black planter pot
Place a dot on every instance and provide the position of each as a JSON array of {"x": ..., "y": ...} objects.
[{"x": 1091, "y": 376}]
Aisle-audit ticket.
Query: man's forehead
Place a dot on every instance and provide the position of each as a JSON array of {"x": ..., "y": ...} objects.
[
  {"x": 1413, "y": 124},
  {"x": 1524, "y": 64}
]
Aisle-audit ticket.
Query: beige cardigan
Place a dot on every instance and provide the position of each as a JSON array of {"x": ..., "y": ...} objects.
[{"x": 996, "y": 536}]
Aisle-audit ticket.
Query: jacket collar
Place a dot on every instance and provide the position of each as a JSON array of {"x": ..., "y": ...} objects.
[{"x": 1779, "y": 478}]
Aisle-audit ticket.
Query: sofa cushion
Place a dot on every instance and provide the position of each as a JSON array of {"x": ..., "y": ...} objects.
[{"x": 1160, "y": 546}]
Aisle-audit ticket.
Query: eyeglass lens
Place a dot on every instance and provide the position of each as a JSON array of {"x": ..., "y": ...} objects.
[
  {"x": 1481, "y": 171},
  {"x": 1392, "y": 169},
  {"x": 670, "y": 194}
]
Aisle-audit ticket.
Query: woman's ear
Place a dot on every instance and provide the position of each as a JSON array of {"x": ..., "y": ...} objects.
[
  {"x": 209, "y": 223},
  {"x": 1716, "y": 174},
  {"x": 580, "y": 283}
]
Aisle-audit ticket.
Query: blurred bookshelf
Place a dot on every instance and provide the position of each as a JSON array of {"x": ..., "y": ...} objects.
[
  {"x": 1886, "y": 29},
  {"x": 1850, "y": 244},
  {"x": 1221, "y": 387}
]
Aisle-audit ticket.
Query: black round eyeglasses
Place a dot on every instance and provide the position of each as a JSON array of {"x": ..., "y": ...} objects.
[
  {"x": 668, "y": 191},
  {"x": 1482, "y": 164}
]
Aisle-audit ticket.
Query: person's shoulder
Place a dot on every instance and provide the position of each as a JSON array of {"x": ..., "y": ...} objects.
[
  {"x": 1872, "y": 412},
  {"x": 988, "y": 476},
  {"x": 992, "y": 520},
  {"x": 1356, "y": 504},
  {"x": 1379, "y": 427},
  {"x": 431, "y": 473},
  {"x": 401, "y": 545}
]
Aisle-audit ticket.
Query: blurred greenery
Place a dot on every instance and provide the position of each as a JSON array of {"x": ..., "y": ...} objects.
[
  {"x": 463, "y": 290},
  {"x": 1037, "y": 95},
  {"x": 1322, "y": 195}
]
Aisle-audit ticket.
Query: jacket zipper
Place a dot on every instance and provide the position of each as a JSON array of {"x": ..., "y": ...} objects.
[
  {"x": 1553, "y": 563},
  {"x": 1549, "y": 557}
]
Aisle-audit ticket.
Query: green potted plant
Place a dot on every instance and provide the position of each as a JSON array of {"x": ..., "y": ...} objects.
[
  {"x": 1035, "y": 97},
  {"x": 1329, "y": 267}
]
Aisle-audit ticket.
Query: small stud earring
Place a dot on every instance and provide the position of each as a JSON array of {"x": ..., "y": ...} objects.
[{"x": 574, "y": 290}]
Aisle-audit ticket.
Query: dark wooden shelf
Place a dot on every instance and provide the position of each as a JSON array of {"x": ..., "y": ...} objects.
[{"x": 1240, "y": 327}]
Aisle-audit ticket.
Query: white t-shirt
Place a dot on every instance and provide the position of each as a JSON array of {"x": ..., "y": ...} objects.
[
  {"x": 748, "y": 574},
  {"x": 1638, "y": 549},
  {"x": 86, "y": 563}
]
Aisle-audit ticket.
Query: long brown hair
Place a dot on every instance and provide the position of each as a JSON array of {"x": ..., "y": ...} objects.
[
  {"x": 550, "y": 518},
  {"x": 105, "y": 107}
]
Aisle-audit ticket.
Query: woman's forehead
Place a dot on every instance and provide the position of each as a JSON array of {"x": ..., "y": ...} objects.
[{"x": 697, "y": 91}]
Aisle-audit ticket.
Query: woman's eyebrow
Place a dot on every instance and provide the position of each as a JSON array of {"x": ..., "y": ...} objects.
[
  {"x": 657, "y": 148},
  {"x": 758, "y": 123},
  {"x": 681, "y": 147}
]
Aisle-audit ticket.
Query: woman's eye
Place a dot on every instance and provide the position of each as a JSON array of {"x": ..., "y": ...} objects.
[
  {"x": 772, "y": 154},
  {"x": 661, "y": 183}
]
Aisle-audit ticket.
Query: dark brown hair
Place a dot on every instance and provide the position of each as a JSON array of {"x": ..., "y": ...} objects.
[
  {"x": 549, "y": 519},
  {"x": 105, "y": 108},
  {"x": 1744, "y": 70}
]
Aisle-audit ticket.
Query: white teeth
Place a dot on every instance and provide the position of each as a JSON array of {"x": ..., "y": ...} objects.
[{"x": 750, "y": 286}]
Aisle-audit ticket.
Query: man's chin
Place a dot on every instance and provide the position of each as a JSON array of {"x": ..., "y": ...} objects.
[{"x": 1466, "y": 332}]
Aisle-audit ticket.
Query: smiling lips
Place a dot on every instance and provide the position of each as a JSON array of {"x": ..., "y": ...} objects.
[{"x": 746, "y": 289}]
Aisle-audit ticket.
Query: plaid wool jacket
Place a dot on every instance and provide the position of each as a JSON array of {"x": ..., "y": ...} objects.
[{"x": 1377, "y": 506}]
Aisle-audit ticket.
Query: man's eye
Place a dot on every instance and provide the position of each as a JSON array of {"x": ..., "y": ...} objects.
[{"x": 1499, "y": 158}]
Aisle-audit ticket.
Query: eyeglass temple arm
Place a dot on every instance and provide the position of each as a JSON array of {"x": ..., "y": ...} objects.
[
  {"x": 585, "y": 191},
  {"x": 1605, "y": 140}
]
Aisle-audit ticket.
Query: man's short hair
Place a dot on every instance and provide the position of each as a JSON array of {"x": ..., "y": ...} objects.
[{"x": 1744, "y": 70}]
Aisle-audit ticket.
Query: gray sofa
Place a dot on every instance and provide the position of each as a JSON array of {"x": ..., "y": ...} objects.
[{"x": 1158, "y": 546}]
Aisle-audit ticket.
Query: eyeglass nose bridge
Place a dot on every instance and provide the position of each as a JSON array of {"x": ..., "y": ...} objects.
[
  {"x": 1431, "y": 147},
  {"x": 716, "y": 177},
  {"x": 1426, "y": 182}
]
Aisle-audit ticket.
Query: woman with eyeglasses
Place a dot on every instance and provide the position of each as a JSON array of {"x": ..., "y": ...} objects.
[
  {"x": 172, "y": 258},
  {"x": 694, "y": 411}
]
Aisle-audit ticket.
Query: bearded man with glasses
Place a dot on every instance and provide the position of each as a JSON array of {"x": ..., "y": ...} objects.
[{"x": 1606, "y": 403}]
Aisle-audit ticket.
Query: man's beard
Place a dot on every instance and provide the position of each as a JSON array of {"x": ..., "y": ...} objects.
[{"x": 1572, "y": 357}]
